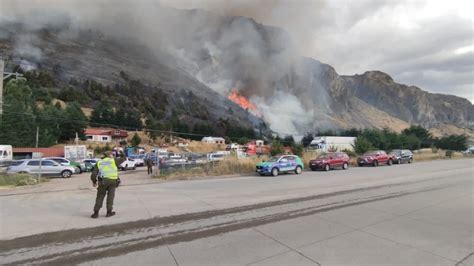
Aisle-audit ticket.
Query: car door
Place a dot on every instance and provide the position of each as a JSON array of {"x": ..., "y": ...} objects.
[
  {"x": 33, "y": 166},
  {"x": 50, "y": 167},
  {"x": 283, "y": 164},
  {"x": 383, "y": 158},
  {"x": 405, "y": 156},
  {"x": 292, "y": 163},
  {"x": 338, "y": 160}
]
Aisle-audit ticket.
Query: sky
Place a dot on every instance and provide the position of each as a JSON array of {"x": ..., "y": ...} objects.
[{"x": 426, "y": 43}]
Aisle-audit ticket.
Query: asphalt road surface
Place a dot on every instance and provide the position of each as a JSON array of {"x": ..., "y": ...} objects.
[{"x": 420, "y": 214}]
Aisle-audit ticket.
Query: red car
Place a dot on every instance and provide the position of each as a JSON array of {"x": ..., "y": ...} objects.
[
  {"x": 374, "y": 158},
  {"x": 330, "y": 161}
]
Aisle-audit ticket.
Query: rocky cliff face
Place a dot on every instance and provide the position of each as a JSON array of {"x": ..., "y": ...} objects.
[{"x": 212, "y": 55}]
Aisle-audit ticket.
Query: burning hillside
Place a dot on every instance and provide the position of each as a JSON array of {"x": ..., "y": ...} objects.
[{"x": 243, "y": 102}]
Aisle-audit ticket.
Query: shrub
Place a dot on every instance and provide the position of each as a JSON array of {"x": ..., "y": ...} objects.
[
  {"x": 19, "y": 180},
  {"x": 449, "y": 154},
  {"x": 298, "y": 149},
  {"x": 277, "y": 148},
  {"x": 351, "y": 153},
  {"x": 362, "y": 145}
]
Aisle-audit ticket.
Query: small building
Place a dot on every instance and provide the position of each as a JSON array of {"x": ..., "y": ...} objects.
[
  {"x": 105, "y": 135},
  {"x": 213, "y": 140},
  {"x": 27, "y": 153}
]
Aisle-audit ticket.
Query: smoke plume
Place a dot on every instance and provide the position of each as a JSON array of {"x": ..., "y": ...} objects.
[{"x": 222, "y": 44}]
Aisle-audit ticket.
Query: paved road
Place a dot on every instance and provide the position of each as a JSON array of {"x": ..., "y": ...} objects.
[{"x": 419, "y": 214}]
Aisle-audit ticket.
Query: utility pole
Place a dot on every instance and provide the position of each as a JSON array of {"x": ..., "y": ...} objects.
[
  {"x": 2, "y": 66},
  {"x": 37, "y": 136}
]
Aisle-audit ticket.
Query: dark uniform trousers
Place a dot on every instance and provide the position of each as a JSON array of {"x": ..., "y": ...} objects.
[
  {"x": 150, "y": 168},
  {"x": 106, "y": 186}
]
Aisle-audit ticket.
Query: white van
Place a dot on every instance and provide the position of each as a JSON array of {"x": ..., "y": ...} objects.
[{"x": 6, "y": 154}]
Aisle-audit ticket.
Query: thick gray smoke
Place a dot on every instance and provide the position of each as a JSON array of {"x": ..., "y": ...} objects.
[{"x": 223, "y": 51}]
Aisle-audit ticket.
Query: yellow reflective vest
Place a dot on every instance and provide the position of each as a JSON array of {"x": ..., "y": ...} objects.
[{"x": 107, "y": 168}]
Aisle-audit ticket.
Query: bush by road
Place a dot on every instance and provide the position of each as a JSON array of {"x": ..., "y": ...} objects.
[{"x": 18, "y": 180}]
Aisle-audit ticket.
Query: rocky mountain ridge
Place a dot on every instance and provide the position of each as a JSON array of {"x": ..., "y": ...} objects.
[{"x": 214, "y": 55}]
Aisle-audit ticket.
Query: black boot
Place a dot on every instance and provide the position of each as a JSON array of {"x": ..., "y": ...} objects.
[
  {"x": 95, "y": 215},
  {"x": 110, "y": 213}
]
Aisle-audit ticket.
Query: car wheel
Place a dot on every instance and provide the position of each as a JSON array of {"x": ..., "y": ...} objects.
[
  {"x": 298, "y": 170},
  {"x": 66, "y": 174},
  {"x": 125, "y": 168},
  {"x": 134, "y": 167},
  {"x": 375, "y": 163},
  {"x": 313, "y": 169},
  {"x": 389, "y": 162},
  {"x": 360, "y": 165},
  {"x": 275, "y": 172},
  {"x": 411, "y": 160},
  {"x": 261, "y": 174},
  {"x": 345, "y": 166},
  {"x": 399, "y": 161},
  {"x": 327, "y": 167}
]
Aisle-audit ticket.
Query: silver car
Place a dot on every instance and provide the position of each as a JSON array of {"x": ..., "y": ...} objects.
[{"x": 48, "y": 168}]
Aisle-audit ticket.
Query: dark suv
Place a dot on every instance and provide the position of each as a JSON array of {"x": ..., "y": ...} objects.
[
  {"x": 401, "y": 156},
  {"x": 374, "y": 158},
  {"x": 330, "y": 161}
]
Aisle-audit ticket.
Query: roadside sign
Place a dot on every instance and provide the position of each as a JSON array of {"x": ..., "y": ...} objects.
[{"x": 37, "y": 155}]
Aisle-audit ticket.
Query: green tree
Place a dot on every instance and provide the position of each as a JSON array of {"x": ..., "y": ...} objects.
[
  {"x": 362, "y": 145},
  {"x": 298, "y": 149},
  {"x": 410, "y": 142},
  {"x": 74, "y": 121},
  {"x": 136, "y": 140},
  {"x": 102, "y": 114},
  {"x": 152, "y": 128},
  {"x": 289, "y": 141},
  {"x": 243, "y": 141},
  {"x": 277, "y": 147},
  {"x": 18, "y": 125},
  {"x": 425, "y": 137},
  {"x": 453, "y": 142},
  {"x": 307, "y": 139}
]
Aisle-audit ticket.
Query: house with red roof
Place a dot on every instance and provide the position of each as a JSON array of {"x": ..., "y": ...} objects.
[{"x": 105, "y": 135}]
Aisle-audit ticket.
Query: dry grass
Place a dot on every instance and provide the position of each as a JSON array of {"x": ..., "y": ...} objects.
[
  {"x": 11, "y": 180},
  {"x": 430, "y": 155},
  {"x": 229, "y": 166}
]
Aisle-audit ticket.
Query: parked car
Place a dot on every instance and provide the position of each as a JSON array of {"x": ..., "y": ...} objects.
[
  {"x": 280, "y": 164},
  {"x": 374, "y": 158},
  {"x": 79, "y": 167},
  {"x": 90, "y": 163},
  {"x": 139, "y": 161},
  {"x": 48, "y": 168},
  {"x": 128, "y": 164},
  {"x": 330, "y": 161},
  {"x": 401, "y": 156}
]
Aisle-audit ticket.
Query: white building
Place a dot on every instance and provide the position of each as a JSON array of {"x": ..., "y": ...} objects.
[
  {"x": 327, "y": 143},
  {"x": 213, "y": 140}
]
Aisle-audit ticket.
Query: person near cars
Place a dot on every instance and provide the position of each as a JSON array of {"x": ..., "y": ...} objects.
[
  {"x": 149, "y": 165},
  {"x": 105, "y": 177}
]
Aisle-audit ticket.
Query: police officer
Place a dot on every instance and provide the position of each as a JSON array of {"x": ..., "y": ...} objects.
[
  {"x": 149, "y": 164},
  {"x": 105, "y": 177}
]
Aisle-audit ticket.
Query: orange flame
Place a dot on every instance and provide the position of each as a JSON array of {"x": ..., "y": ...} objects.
[{"x": 239, "y": 99}]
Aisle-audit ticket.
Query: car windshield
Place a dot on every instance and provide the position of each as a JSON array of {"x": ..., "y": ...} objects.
[
  {"x": 15, "y": 163},
  {"x": 325, "y": 156},
  {"x": 273, "y": 159},
  {"x": 397, "y": 152}
]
